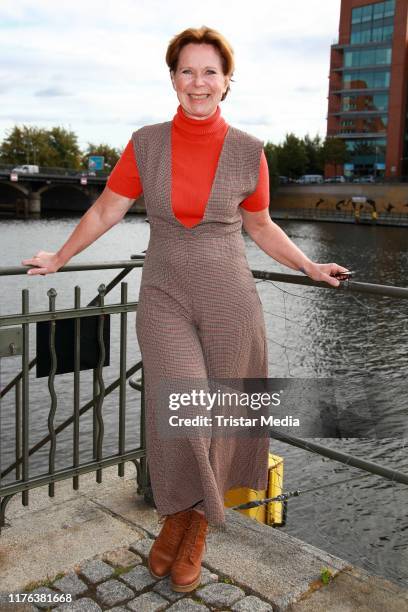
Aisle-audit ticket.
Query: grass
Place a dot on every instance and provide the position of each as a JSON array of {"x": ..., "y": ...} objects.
[
  {"x": 122, "y": 569},
  {"x": 46, "y": 582},
  {"x": 326, "y": 575},
  {"x": 226, "y": 580}
]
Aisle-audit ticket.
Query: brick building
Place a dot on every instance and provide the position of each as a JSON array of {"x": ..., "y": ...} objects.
[{"x": 368, "y": 88}]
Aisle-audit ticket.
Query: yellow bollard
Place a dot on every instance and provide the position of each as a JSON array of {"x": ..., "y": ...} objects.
[{"x": 271, "y": 513}]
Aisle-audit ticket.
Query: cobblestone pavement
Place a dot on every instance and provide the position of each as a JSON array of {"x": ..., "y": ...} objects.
[{"x": 119, "y": 581}]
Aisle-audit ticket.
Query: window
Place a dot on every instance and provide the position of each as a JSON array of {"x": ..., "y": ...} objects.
[
  {"x": 349, "y": 59},
  {"x": 365, "y": 36},
  {"x": 367, "y": 57},
  {"x": 380, "y": 102},
  {"x": 371, "y": 144},
  {"x": 365, "y": 102},
  {"x": 373, "y": 22},
  {"x": 383, "y": 56},
  {"x": 379, "y": 10},
  {"x": 347, "y": 126},
  {"x": 355, "y": 37},
  {"x": 377, "y": 34},
  {"x": 362, "y": 79},
  {"x": 374, "y": 124},
  {"x": 388, "y": 32},
  {"x": 367, "y": 151},
  {"x": 349, "y": 103},
  {"x": 359, "y": 125},
  {"x": 381, "y": 79},
  {"x": 367, "y": 13},
  {"x": 356, "y": 15},
  {"x": 389, "y": 8},
  {"x": 372, "y": 12}
]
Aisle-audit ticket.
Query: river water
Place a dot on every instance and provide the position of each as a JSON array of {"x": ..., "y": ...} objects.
[{"x": 312, "y": 333}]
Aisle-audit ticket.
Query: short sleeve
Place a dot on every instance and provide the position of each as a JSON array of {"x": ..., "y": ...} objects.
[
  {"x": 124, "y": 178},
  {"x": 260, "y": 198}
]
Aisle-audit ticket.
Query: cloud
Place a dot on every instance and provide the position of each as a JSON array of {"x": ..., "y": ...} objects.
[
  {"x": 102, "y": 72},
  {"x": 51, "y": 92},
  {"x": 28, "y": 117},
  {"x": 306, "y": 89}
]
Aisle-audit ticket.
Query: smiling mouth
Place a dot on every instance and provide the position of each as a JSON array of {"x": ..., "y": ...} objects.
[{"x": 199, "y": 96}]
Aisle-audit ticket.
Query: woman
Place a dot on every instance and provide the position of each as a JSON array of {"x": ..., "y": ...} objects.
[{"x": 199, "y": 314}]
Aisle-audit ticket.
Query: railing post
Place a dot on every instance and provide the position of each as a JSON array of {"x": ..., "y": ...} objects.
[
  {"x": 77, "y": 382},
  {"x": 122, "y": 370},
  {"x": 25, "y": 396},
  {"x": 145, "y": 487},
  {"x": 52, "y": 294}
]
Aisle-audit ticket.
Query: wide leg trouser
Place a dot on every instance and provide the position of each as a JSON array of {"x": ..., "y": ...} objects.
[{"x": 216, "y": 344}]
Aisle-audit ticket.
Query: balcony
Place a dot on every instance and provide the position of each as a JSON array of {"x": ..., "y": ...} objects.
[
  {"x": 348, "y": 46},
  {"x": 361, "y": 90},
  {"x": 368, "y": 67},
  {"x": 357, "y": 134},
  {"x": 359, "y": 113}
]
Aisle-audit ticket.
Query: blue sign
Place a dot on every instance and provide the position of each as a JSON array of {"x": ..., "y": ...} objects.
[{"x": 96, "y": 162}]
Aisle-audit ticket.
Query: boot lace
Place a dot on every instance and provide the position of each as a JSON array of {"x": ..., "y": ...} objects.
[
  {"x": 194, "y": 530},
  {"x": 173, "y": 526}
]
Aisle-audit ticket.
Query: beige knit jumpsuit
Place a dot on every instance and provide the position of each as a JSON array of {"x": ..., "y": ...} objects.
[{"x": 199, "y": 315}]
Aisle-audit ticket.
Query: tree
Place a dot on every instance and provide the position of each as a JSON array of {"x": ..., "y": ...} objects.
[
  {"x": 24, "y": 145},
  {"x": 314, "y": 150},
  {"x": 52, "y": 148},
  {"x": 64, "y": 147},
  {"x": 335, "y": 152},
  {"x": 110, "y": 154},
  {"x": 272, "y": 160},
  {"x": 292, "y": 158}
]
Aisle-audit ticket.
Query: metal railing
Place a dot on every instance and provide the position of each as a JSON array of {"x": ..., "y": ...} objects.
[
  {"x": 57, "y": 170},
  {"x": 343, "y": 216},
  {"x": 14, "y": 336},
  {"x": 14, "y": 340},
  {"x": 355, "y": 180}
]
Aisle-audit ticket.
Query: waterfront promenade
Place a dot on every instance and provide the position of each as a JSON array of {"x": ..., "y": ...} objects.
[{"x": 93, "y": 543}]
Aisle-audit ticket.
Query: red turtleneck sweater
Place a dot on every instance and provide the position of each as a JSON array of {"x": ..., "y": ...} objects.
[{"x": 196, "y": 147}]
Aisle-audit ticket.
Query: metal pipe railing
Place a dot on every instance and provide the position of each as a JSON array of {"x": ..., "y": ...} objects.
[
  {"x": 99, "y": 265},
  {"x": 98, "y": 307},
  {"x": 136, "y": 261},
  {"x": 23, "y": 481},
  {"x": 348, "y": 285},
  {"x": 331, "y": 453}
]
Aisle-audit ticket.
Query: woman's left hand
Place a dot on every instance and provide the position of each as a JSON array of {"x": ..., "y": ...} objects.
[{"x": 324, "y": 272}]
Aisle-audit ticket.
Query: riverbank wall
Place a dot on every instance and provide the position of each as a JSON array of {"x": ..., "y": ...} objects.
[{"x": 337, "y": 197}]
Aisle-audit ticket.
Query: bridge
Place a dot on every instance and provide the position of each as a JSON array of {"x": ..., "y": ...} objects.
[{"x": 28, "y": 194}]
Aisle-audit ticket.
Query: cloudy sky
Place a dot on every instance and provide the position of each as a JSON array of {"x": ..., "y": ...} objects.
[{"x": 97, "y": 67}]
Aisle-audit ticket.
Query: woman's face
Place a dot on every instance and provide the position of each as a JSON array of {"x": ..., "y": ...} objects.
[{"x": 199, "y": 80}]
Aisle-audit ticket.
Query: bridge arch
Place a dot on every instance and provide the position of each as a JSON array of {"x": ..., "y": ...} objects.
[
  {"x": 47, "y": 187},
  {"x": 9, "y": 188},
  {"x": 67, "y": 197}
]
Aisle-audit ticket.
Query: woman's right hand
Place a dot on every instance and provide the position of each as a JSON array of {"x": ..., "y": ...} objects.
[{"x": 44, "y": 262}]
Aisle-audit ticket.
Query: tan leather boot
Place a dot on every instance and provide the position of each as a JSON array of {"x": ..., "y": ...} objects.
[
  {"x": 165, "y": 548},
  {"x": 186, "y": 569}
]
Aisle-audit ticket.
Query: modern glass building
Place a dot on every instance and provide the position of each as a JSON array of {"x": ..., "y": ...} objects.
[{"x": 368, "y": 88}]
